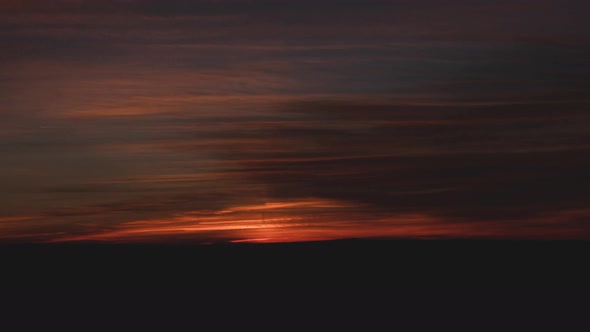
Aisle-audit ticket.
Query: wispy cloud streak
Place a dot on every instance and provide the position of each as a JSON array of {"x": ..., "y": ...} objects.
[{"x": 128, "y": 119}]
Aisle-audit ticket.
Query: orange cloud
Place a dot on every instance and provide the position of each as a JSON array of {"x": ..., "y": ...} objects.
[
  {"x": 17, "y": 218},
  {"x": 311, "y": 219},
  {"x": 289, "y": 221}
]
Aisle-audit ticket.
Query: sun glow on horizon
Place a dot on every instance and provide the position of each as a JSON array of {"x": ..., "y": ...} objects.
[
  {"x": 290, "y": 221},
  {"x": 278, "y": 221}
]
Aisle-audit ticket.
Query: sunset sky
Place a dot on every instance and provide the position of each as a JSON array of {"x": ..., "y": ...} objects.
[{"x": 276, "y": 121}]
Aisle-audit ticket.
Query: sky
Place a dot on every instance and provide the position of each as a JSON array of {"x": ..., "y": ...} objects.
[{"x": 278, "y": 121}]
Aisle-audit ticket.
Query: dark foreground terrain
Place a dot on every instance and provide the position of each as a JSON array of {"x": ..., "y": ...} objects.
[
  {"x": 345, "y": 263},
  {"x": 336, "y": 282}
]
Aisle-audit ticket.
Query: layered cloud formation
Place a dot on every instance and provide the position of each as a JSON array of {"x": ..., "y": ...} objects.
[{"x": 236, "y": 120}]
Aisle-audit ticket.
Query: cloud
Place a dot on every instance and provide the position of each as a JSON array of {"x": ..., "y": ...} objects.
[
  {"x": 277, "y": 221},
  {"x": 455, "y": 112},
  {"x": 472, "y": 162}
]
